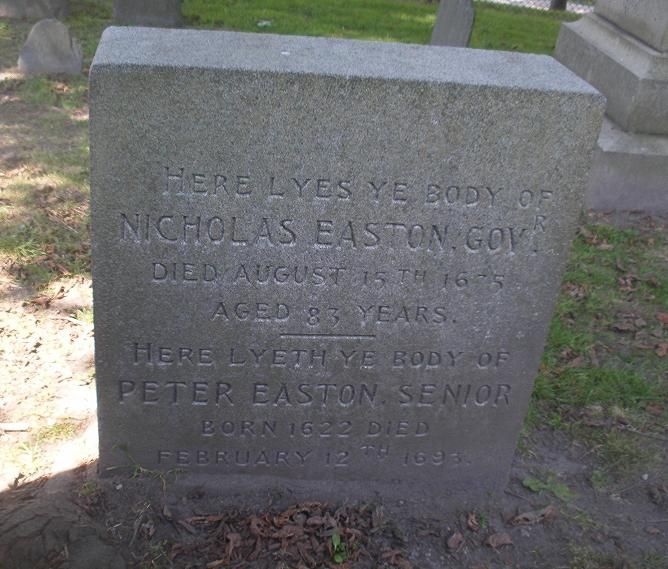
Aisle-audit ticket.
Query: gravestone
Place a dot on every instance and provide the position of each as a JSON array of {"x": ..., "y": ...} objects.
[
  {"x": 33, "y": 9},
  {"x": 160, "y": 13},
  {"x": 454, "y": 23},
  {"x": 327, "y": 263},
  {"x": 622, "y": 50},
  {"x": 50, "y": 49}
]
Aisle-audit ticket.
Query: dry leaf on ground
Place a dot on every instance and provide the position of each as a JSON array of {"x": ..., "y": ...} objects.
[
  {"x": 535, "y": 516},
  {"x": 497, "y": 540},
  {"x": 455, "y": 541}
]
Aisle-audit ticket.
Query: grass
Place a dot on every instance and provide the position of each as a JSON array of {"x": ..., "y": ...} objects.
[
  {"x": 60, "y": 431},
  {"x": 602, "y": 371},
  {"x": 550, "y": 485},
  {"x": 496, "y": 27},
  {"x": 583, "y": 557}
]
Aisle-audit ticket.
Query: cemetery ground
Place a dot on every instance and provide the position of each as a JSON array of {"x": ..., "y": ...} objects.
[{"x": 589, "y": 486}]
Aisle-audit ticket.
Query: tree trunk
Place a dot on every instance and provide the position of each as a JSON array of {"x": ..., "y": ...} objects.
[{"x": 558, "y": 4}]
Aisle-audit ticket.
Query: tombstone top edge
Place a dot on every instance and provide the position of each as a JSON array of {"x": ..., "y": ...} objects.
[{"x": 218, "y": 50}]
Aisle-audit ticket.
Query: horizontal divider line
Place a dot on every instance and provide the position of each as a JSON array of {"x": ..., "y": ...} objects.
[{"x": 332, "y": 336}]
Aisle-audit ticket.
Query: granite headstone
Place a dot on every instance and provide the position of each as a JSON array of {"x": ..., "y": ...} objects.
[
  {"x": 50, "y": 49},
  {"x": 160, "y": 13},
  {"x": 326, "y": 261},
  {"x": 454, "y": 23}
]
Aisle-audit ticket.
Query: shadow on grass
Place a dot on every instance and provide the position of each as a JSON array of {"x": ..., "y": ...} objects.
[{"x": 44, "y": 228}]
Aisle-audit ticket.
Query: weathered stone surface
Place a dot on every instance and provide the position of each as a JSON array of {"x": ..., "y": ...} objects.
[
  {"x": 50, "y": 49},
  {"x": 645, "y": 19},
  {"x": 161, "y": 13},
  {"x": 454, "y": 23},
  {"x": 327, "y": 263},
  {"x": 33, "y": 9},
  {"x": 630, "y": 172},
  {"x": 632, "y": 76}
]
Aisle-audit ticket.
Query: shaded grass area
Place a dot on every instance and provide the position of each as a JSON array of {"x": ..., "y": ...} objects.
[
  {"x": 604, "y": 376},
  {"x": 44, "y": 226}
]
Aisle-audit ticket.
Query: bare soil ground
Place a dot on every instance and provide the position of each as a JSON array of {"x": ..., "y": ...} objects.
[{"x": 574, "y": 499}]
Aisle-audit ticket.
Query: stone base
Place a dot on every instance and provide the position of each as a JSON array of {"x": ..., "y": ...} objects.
[
  {"x": 630, "y": 172},
  {"x": 632, "y": 75}
]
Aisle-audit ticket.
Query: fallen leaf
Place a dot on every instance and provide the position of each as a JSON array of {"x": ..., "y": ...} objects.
[
  {"x": 651, "y": 530},
  {"x": 234, "y": 541},
  {"x": 472, "y": 522},
  {"x": 395, "y": 557},
  {"x": 497, "y": 540},
  {"x": 288, "y": 531},
  {"x": 624, "y": 326},
  {"x": 661, "y": 349},
  {"x": 535, "y": 516},
  {"x": 663, "y": 318},
  {"x": 654, "y": 408},
  {"x": 455, "y": 541},
  {"x": 626, "y": 283}
]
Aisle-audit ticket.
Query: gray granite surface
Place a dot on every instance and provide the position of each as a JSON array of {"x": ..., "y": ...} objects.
[
  {"x": 159, "y": 13},
  {"x": 454, "y": 23},
  {"x": 324, "y": 262}
]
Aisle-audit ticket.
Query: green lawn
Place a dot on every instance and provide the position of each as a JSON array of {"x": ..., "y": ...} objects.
[{"x": 410, "y": 21}]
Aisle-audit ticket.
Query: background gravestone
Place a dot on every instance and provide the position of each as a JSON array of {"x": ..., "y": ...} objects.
[
  {"x": 50, "y": 49},
  {"x": 161, "y": 13},
  {"x": 324, "y": 263},
  {"x": 622, "y": 50},
  {"x": 454, "y": 23},
  {"x": 33, "y": 9}
]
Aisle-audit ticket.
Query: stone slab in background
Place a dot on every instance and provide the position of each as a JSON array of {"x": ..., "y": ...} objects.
[
  {"x": 630, "y": 172},
  {"x": 327, "y": 264},
  {"x": 632, "y": 75},
  {"x": 454, "y": 23},
  {"x": 160, "y": 13},
  {"x": 50, "y": 49},
  {"x": 33, "y": 9},
  {"x": 645, "y": 19}
]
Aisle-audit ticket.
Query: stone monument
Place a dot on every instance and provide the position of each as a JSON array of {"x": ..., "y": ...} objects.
[
  {"x": 159, "y": 13},
  {"x": 454, "y": 23},
  {"x": 622, "y": 50},
  {"x": 326, "y": 263},
  {"x": 50, "y": 49},
  {"x": 33, "y": 9}
]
